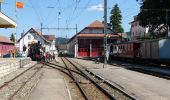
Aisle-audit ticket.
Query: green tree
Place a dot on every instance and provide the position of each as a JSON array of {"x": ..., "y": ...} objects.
[
  {"x": 153, "y": 14},
  {"x": 115, "y": 19},
  {"x": 57, "y": 45},
  {"x": 12, "y": 38}
]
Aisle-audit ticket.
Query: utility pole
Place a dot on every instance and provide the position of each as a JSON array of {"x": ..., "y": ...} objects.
[
  {"x": 15, "y": 33},
  {"x": 105, "y": 31},
  {"x": 41, "y": 27},
  {"x": 167, "y": 26},
  {"x": 59, "y": 19},
  {"x": 62, "y": 29},
  {"x": 76, "y": 29},
  {"x": 0, "y": 4},
  {"x": 76, "y": 44}
]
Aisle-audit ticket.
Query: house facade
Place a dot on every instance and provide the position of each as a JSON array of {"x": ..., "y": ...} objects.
[
  {"x": 52, "y": 40},
  {"x": 33, "y": 36},
  {"x": 137, "y": 30},
  {"x": 89, "y": 42},
  {"x": 6, "y": 46}
]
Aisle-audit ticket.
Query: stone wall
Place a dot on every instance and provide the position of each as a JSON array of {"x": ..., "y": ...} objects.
[{"x": 8, "y": 65}]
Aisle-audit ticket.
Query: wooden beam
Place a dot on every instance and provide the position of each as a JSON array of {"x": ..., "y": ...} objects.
[{"x": 7, "y": 26}]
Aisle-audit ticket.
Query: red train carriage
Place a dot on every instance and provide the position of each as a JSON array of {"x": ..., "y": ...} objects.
[
  {"x": 156, "y": 51},
  {"x": 125, "y": 50}
]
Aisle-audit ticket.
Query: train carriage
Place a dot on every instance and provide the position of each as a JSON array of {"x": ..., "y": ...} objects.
[
  {"x": 125, "y": 50},
  {"x": 150, "y": 51}
]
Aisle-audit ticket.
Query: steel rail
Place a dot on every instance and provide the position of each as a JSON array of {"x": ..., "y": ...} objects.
[
  {"x": 95, "y": 83},
  {"x": 77, "y": 83},
  {"x": 62, "y": 68},
  {"x": 153, "y": 73},
  {"x": 112, "y": 86},
  {"x": 109, "y": 84},
  {"x": 6, "y": 83},
  {"x": 61, "y": 71},
  {"x": 145, "y": 71},
  {"x": 11, "y": 97}
]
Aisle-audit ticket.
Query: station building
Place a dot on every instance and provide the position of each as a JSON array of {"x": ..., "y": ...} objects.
[{"x": 89, "y": 42}]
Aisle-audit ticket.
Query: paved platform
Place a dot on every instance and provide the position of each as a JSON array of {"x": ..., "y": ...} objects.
[
  {"x": 165, "y": 70},
  {"x": 51, "y": 87},
  {"x": 142, "y": 86}
]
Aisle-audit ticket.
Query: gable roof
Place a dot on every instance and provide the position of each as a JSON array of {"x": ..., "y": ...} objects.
[
  {"x": 4, "y": 39},
  {"x": 32, "y": 30},
  {"x": 49, "y": 37},
  {"x": 96, "y": 24}
]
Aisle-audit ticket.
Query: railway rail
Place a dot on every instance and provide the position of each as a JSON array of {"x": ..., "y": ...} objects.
[
  {"x": 145, "y": 68},
  {"x": 12, "y": 87},
  {"x": 103, "y": 87}
]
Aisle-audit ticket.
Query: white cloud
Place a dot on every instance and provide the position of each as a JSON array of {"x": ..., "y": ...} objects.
[{"x": 98, "y": 7}]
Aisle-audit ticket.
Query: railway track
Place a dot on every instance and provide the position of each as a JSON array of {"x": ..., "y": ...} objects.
[
  {"x": 11, "y": 89},
  {"x": 91, "y": 86},
  {"x": 153, "y": 70}
]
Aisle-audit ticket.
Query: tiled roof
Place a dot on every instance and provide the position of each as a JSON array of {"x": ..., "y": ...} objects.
[
  {"x": 5, "y": 39},
  {"x": 96, "y": 24},
  {"x": 96, "y": 35},
  {"x": 35, "y": 32},
  {"x": 49, "y": 37}
]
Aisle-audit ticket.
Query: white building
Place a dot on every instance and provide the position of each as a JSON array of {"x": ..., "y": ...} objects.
[
  {"x": 33, "y": 36},
  {"x": 137, "y": 30},
  {"x": 52, "y": 40}
]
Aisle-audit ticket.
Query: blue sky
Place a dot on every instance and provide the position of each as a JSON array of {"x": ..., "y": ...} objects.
[{"x": 72, "y": 12}]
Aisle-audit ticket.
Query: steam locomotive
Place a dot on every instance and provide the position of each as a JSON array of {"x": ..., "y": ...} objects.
[{"x": 35, "y": 51}]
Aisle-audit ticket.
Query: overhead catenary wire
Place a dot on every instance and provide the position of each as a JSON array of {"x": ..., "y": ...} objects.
[
  {"x": 36, "y": 12},
  {"x": 82, "y": 10}
]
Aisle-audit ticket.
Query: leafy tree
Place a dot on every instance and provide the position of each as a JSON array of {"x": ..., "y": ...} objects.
[
  {"x": 153, "y": 14},
  {"x": 12, "y": 38},
  {"x": 115, "y": 19},
  {"x": 57, "y": 45}
]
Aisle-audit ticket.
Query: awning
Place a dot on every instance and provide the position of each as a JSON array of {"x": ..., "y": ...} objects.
[{"x": 6, "y": 22}]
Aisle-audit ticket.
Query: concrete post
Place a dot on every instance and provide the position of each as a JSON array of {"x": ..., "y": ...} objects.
[
  {"x": 76, "y": 48},
  {"x": 90, "y": 48}
]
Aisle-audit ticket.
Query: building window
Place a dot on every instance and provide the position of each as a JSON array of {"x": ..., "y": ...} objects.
[{"x": 29, "y": 37}]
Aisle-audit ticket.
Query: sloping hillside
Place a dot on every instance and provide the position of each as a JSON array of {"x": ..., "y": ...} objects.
[{"x": 61, "y": 40}]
